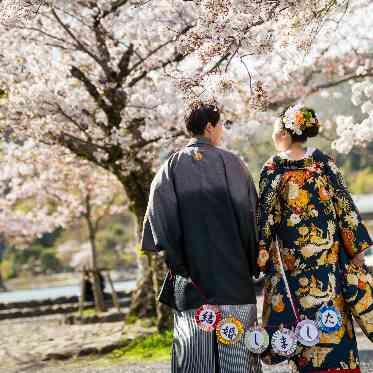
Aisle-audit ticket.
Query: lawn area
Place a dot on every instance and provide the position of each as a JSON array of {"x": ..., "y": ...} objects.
[{"x": 156, "y": 347}]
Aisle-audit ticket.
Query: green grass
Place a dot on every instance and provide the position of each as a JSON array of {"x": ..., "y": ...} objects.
[
  {"x": 153, "y": 347},
  {"x": 147, "y": 322},
  {"x": 88, "y": 312}
]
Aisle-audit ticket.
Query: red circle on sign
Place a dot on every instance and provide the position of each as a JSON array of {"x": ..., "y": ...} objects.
[{"x": 207, "y": 317}]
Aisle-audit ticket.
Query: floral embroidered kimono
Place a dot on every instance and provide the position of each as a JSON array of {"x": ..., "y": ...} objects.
[{"x": 305, "y": 204}]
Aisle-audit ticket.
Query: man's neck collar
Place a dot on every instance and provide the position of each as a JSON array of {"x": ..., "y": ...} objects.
[{"x": 199, "y": 140}]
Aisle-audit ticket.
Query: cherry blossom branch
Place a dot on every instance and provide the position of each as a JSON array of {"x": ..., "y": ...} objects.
[
  {"x": 74, "y": 122},
  {"x": 150, "y": 54},
  {"x": 177, "y": 133},
  {"x": 275, "y": 105},
  {"x": 341, "y": 81},
  {"x": 178, "y": 57},
  {"x": 105, "y": 213},
  {"x": 81, "y": 148},
  {"x": 123, "y": 64},
  {"x": 114, "y": 7},
  {"x": 42, "y": 32},
  {"x": 79, "y": 44},
  {"x": 221, "y": 59},
  {"x": 99, "y": 32},
  {"x": 74, "y": 16},
  {"x": 91, "y": 88}
]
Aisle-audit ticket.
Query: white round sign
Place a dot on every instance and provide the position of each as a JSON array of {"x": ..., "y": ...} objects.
[
  {"x": 307, "y": 333},
  {"x": 284, "y": 342},
  {"x": 256, "y": 340}
]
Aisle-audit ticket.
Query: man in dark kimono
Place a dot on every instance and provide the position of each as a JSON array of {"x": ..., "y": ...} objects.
[{"x": 202, "y": 213}]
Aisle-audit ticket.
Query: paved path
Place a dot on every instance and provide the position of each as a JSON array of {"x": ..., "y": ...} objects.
[
  {"x": 27, "y": 341},
  {"x": 24, "y": 343},
  {"x": 366, "y": 356},
  {"x": 149, "y": 367}
]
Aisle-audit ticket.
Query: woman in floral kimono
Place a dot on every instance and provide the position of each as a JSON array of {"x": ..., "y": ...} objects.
[{"x": 306, "y": 205}]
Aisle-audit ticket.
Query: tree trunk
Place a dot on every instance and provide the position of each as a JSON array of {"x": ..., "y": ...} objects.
[
  {"x": 97, "y": 290},
  {"x": 143, "y": 297},
  {"x": 164, "y": 320},
  {"x": 2, "y": 285},
  {"x": 151, "y": 271},
  {"x": 2, "y": 248}
]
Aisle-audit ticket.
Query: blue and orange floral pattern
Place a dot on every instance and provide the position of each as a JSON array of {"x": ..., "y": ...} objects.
[{"x": 307, "y": 206}]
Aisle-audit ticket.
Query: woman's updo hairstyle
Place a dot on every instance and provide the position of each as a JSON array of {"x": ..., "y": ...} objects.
[
  {"x": 199, "y": 115},
  {"x": 300, "y": 122}
]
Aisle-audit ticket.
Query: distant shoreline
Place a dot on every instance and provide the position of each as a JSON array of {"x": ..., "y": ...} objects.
[{"x": 59, "y": 279}]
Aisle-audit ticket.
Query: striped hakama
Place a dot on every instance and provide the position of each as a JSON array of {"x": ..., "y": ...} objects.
[{"x": 196, "y": 351}]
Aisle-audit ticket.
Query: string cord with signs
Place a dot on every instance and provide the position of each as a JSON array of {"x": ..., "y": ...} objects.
[
  {"x": 284, "y": 341},
  {"x": 229, "y": 330}
]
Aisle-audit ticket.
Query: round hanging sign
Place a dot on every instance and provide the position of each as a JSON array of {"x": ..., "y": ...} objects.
[
  {"x": 284, "y": 342},
  {"x": 207, "y": 317},
  {"x": 307, "y": 333},
  {"x": 229, "y": 330},
  {"x": 256, "y": 339},
  {"x": 328, "y": 319}
]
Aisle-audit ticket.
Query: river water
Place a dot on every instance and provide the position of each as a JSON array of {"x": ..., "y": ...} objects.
[{"x": 55, "y": 292}]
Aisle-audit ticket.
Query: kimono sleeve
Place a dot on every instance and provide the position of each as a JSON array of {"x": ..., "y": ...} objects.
[
  {"x": 253, "y": 228},
  {"x": 268, "y": 212},
  {"x": 162, "y": 227},
  {"x": 354, "y": 234},
  {"x": 253, "y": 200},
  {"x": 249, "y": 222}
]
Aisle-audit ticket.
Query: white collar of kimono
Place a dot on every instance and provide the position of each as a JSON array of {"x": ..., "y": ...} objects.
[
  {"x": 199, "y": 140},
  {"x": 307, "y": 154}
]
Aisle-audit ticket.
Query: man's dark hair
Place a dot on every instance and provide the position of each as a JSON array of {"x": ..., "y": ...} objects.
[{"x": 199, "y": 116}]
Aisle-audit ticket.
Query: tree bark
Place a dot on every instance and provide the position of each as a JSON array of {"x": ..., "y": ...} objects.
[
  {"x": 2, "y": 248},
  {"x": 97, "y": 290},
  {"x": 151, "y": 269},
  {"x": 164, "y": 320},
  {"x": 2, "y": 285}
]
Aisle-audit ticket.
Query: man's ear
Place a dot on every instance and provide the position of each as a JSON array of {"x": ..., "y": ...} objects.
[{"x": 208, "y": 127}]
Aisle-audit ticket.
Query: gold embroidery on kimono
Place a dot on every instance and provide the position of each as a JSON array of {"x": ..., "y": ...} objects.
[{"x": 306, "y": 205}]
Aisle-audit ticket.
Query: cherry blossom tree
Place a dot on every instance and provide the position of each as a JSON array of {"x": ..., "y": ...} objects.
[
  {"x": 260, "y": 57},
  {"x": 47, "y": 188},
  {"x": 84, "y": 74},
  {"x": 100, "y": 79},
  {"x": 229, "y": 28}
]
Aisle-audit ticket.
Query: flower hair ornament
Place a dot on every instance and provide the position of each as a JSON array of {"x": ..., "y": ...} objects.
[{"x": 297, "y": 118}]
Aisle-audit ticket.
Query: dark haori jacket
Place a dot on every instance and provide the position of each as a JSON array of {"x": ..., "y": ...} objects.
[{"x": 202, "y": 213}]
